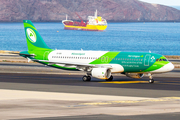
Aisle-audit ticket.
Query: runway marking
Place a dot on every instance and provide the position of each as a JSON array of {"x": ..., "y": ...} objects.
[
  {"x": 163, "y": 99},
  {"x": 125, "y": 82},
  {"x": 134, "y": 82}
]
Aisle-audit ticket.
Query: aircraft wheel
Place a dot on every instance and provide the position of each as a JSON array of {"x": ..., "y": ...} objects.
[
  {"x": 89, "y": 78},
  {"x": 86, "y": 78},
  {"x": 110, "y": 79},
  {"x": 151, "y": 81}
]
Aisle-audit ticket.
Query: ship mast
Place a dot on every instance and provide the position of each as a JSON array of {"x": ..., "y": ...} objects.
[
  {"x": 95, "y": 14},
  {"x": 66, "y": 16}
]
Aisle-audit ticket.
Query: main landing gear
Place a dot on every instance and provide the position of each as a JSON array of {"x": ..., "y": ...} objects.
[
  {"x": 151, "y": 80},
  {"x": 86, "y": 78},
  {"x": 110, "y": 79}
]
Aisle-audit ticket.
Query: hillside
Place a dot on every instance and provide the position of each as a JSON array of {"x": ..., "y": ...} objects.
[{"x": 111, "y": 10}]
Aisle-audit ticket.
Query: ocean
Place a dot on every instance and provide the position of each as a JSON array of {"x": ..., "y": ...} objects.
[{"x": 161, "y": 38}]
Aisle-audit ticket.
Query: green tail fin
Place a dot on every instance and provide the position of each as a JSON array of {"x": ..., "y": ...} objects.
[{"x": 33, "y": 38}]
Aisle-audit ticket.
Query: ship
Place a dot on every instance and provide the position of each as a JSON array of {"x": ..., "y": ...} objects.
[{"x": 94, "y": 23}]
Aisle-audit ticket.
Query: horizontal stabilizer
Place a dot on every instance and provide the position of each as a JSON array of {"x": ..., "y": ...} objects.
[{"x": 28, "y": 55}]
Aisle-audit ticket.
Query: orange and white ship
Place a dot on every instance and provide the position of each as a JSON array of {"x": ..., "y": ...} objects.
[{"x": 94, "y": 23}]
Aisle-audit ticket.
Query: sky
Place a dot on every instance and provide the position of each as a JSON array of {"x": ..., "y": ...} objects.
[{"x": 164, "y": 2}]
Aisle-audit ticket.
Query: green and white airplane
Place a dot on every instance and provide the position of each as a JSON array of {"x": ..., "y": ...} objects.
[{"x": 98, "y": 64}]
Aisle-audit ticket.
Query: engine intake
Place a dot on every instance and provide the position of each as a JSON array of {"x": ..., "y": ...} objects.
[
  {"x": 134, "y": 75},
  {"x": 101, "y": 73}
]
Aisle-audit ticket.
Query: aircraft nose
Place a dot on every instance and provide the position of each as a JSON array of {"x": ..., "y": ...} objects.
[{"x": 168, "y": 67}]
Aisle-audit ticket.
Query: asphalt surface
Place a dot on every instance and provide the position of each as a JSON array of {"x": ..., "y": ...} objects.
[
  {"x": 161, "y": 83},
  {"x": 36, "y": 77}
]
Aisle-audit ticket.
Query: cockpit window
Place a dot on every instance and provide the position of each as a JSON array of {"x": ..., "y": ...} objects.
[
  {"x": 161, "y": 59},
  {"x": 164, "y": 59}
]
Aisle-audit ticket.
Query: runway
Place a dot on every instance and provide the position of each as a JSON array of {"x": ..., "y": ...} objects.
[
  {"x": 33, "y": 91},
  {"x": 65, "y": 83}
]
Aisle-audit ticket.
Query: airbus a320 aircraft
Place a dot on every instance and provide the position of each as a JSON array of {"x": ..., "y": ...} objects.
[{"x": 98, "y": 64}]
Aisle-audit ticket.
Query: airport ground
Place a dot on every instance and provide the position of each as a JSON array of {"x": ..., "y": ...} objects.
[{"x": 30, "y": 91}]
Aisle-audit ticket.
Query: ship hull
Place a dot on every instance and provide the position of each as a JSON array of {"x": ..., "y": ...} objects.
[{"x": 86, "y": 28}]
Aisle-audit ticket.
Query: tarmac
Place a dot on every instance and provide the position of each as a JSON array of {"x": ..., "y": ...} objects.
[{"x": 30, "y": 91}]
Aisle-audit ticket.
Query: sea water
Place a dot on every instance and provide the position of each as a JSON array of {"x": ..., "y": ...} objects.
[{"x": 161, "y": 38}]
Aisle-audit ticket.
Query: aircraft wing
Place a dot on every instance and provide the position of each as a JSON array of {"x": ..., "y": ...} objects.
[
  {"x": 77, "y": 64},
  {"x": 67, "y": 63}
]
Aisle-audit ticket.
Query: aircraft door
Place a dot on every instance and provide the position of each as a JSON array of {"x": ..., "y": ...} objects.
[{"x": 147, "y": 59}]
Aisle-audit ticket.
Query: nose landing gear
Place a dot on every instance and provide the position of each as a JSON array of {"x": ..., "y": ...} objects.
[{"x": 151, "y": 80}]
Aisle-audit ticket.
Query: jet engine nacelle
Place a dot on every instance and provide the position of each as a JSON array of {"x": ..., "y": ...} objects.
[
  {"x": 101, "y": 73},
  {"x": 134, "y": 75}
]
